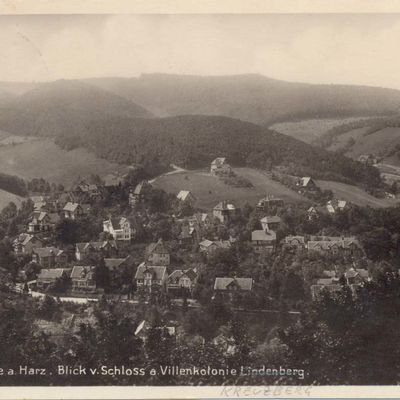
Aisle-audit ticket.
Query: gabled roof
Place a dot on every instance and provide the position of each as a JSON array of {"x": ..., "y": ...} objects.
[
  {"x": 179, "y": 273},
  {"x": 263, "y": 235},
  {"x": 71, "y": 206},
  {"x": 158, "y": 272},
  {"x": 186, "y": 232},
  {"x": 219, "y": 161},
  {"x": 225, "y": 205},
  {"x": 141, "y": 187},
  {"x": 271, "y": 219},
  {"x": 82, "y": 272},
  {"x": 183, "y": 195},
  {"x": 83, "y": 246},
  {"x": 25, "y": 238},
  {"x": 290, "y": 239},
  {"x": 352, "y": 272},
  {"x": 113, "y": 263},
  {"x": 305, "y": 181},
  {"x": 53, "y": 273},
  {"x": 47, "y": 251},
  {"x": 206, "y": 243},
  {"x": 158, "y": 248},
  {"x": 242, "y": 283}
]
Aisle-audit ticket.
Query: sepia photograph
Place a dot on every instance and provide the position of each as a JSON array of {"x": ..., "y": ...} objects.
[{"x": 199, "y": 200}]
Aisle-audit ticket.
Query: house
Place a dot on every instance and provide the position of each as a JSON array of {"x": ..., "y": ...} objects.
[
  {"x": 209, "y": 247},
  {"x": 306, "y": 183},
  {"x": 312, "y": 213},
  {"x": 220, "y": 167},
  {"x": 182, "y": 279},
  {"x": 368, "y": 159},
  {"x": 297, "y": 242},
  {"x": 335, "y": 245},
  {"x": 356, "y": 276},
  {"x": 72, "y": 210},
  {"x": 233, "y": 285},
  {"x": 107, "y": 248},
  {"x": 48, "y": 277},
  {"x": 49, "y": 257},
  {"x": 42, "y": 221},
  {"x": 86, "y": 190},
  {"x": 26, "y": 243},
  {"x": 83, "y": 279},
  {"x": 138, "y": 195},
  {"x": 225, "y": 211},
  {"x": 142, "y": 330},
  {"x": 119, "y": 228},
  {"x": 332, "y": 206},
  {"x": 200, "y": 220},
  {"x": 263, "y": 242},
  {"x": 271, "y": 223},
  {"x": 151, "y": 278},
  {"x": 270, "y": 203},
  {"x": 188, "y": 235},
  {"x": 186, "y": 197},
  {"x": 157, "y": 253},
  {"x": 331, "y": 285}
]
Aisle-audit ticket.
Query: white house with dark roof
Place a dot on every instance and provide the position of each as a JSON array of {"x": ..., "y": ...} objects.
[
  {"x": 119, "y": 228},
  {"x": 151, "y": 278},
  {"x": 219, "y": 166}
]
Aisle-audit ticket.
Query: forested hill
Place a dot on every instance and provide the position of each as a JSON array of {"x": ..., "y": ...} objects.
[
  {"x": 251, "y": 97},
  {"x": 195, "y": 140},
  {"x": 61, "y": 108}
]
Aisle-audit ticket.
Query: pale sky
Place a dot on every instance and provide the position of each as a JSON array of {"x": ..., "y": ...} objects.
[{"x": 321, "y": 48}]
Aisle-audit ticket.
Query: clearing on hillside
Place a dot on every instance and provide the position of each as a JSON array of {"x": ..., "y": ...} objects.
[
  {"x": 311, "y": 129},
  {"x": 42, "y": 158},
  {"x": 355, "y": 195},
  {"x": 6, "y": 197},
  {"x": 209, "y": 190}
]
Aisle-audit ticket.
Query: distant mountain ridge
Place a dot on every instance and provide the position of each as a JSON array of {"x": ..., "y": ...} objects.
[{"x": 253, "y": 98}]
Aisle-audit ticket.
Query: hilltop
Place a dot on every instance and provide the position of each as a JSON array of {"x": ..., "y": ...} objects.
[
  {"x": 62, "y": 108},
  {"x": 251, "y": 97}
]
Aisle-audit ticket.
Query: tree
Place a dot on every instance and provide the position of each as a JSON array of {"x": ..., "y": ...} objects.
[{"x": 102, "y": 275}]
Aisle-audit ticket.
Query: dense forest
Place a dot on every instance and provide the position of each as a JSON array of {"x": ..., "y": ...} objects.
[{"x": 194, "y": 141}]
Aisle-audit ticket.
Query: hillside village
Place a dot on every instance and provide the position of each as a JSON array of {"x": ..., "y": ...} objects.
[
  {"x": 135, "y": 246},
  {"x": 177, "y": 246}
]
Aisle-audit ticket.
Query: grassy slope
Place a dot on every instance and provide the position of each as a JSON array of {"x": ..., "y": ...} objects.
[
  {"x": 310, "y": 129},
  {"x": 6, "y": 197},
  {"x": 42, "y": 158},
  {"x": 354, "y": 194},
  {"x": 209, "y": 190},
  {"x": 379, "y": 143}
]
